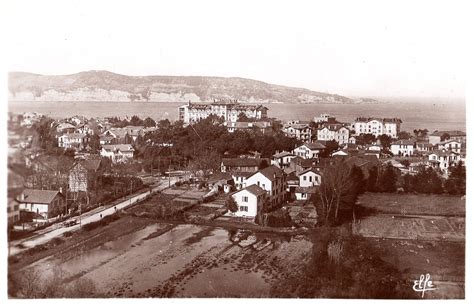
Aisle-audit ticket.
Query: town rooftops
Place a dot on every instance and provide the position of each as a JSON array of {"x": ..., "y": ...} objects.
[
  {"x": 231, "y": 105},
  {"x": 383, "y": 120},
  {"x": 332, "y": 126},
  {"x": 118, "y": 147},
  {"x": 242, "y": 174},
  {"x": 452, "y": 133},
  {"x": 37, "y": 196}
]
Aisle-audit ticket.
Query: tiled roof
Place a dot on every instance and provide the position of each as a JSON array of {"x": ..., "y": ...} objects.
[
  {"x": 314, "y": 146},
  {"x": 283, "y": 154},
  {"x": 271, "y": 172},
  {"x": 404, "y": 142},
  {"x": 255, "y": 190},
  {"x": 38, "y": 196},
  {"x": 308, "y": 170}
]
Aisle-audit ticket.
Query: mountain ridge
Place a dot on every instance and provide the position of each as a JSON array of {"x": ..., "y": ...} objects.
[{"x": 102, "y": 85}]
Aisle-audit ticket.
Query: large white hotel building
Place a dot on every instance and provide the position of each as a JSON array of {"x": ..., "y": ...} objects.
[
  {"x": 230, "y": 111},
  {"x": 377, "y": 126}
]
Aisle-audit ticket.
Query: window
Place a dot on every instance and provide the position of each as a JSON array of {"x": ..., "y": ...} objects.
[
  {"x": 244, "y": 208},
  {"x": 304, "y": 178},
  {"x": 245, "y": 199},
  {"x": 263, "y": 185},
  {"x": 310, "y": 179}
]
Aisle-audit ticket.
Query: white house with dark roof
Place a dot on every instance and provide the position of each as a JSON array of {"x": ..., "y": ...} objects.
[
  {"x": 309, "y": 150},
  {"x": 46, "y": 203},
  {"x": 117, "y": 153},
  {"x": 300, "y": 130},
  {"x": 453, "y": 145},
  {"x": 443, "y": 159},
  {"x": 333, "y": 132},
  {"x": 309, "y": 178},
  {"x": 272, "y": 180},
  {"x": 73, "y": 140},
  {"x": 282, "y": 159},
  {"x": 404, "y": 148},
  {"x": 248, "y": 200}
]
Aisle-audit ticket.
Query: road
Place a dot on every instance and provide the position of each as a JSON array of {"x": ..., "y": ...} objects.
[{"x": 57, "y": 229}]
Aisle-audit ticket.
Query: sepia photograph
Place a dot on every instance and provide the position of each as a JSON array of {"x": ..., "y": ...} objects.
[{"x": 234, "y": 149}]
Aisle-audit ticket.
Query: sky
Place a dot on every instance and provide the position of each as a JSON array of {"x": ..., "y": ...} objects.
[{"x": 352, "y": 48}]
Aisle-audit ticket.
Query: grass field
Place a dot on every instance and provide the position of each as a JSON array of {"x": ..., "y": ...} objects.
[{"x": 413, "y": 204}]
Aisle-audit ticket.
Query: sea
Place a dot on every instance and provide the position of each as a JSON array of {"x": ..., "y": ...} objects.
[{"x": 437, "y": 115}]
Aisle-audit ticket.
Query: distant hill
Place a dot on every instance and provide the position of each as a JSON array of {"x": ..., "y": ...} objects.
[{"x": 108, "y": 86}]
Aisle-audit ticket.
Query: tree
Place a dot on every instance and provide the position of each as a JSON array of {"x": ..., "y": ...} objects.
[
  {"x": 456, "y": 182},
  {"x": 230, "y": 204},
  {"x": 404, "y": 135},
  {"x": 337, "y": 188},
  {"x": 388, "y": 179},
  {"x": 263, "y": 164},
  {"x": 359, "y": 180},
  {"x": 149, "y": 122},
  {"x": 427, "y": 180},
  {"x": 136, "y": 121},
  {"x": 372, "y": 179},
  {"x": 445, "y": 136},
  {"x": 365, "y": 138},
  {"x": 243, "y": 118},
  {"x": 405, "y": 162},
  {"x": 331, "y": 146},
  {"x": 385, "y": 141},
  {"x": 94, "y": 143}
]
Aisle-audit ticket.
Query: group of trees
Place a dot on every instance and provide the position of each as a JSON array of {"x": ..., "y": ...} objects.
[
  {"x": 203, "y": 144},
  {"x": 134, "y": 121}
]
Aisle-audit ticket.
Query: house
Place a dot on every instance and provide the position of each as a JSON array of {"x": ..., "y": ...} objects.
[
  {"x": 107, "y": 139},
  {"x": 65, "y": 128},
  {"x": 453, "y": 145},
  {"x": 13, "y": 211},
  {"x": 272, "y": 180},
  {"x": 377, "y": 126},
  {"x": 240, "y": 164},
  {"x": 221, "y": 181},
  {"x": 117, "y": 153},
  {"x": 309, "y": 178},
  {"x": 240, "y": 178},
  {"x": 299, "y": 130},
  {"x": 443, "y": 159},
  {"x": 304, "y": 193},
  {"x": 80, "y": 174},
  {"x": 423, "y": 147},
  {"x": 85, "y": 129},
  {"x": 324, "y": 118},
  {"x": 299, "y": 164},
  {"x": 282, "y": 159},
  {"x": 46, "y": 203},
  {"x": 292, "y": 182},
  {"x": 76, "y": 141},
  {"x": 333, "y": 132},
  {"x": 439, "y": 136},
  {"x": 309, "y": 150},
  {"x": 403, "y": 148},
  {"x": 248, "y": 200}
]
